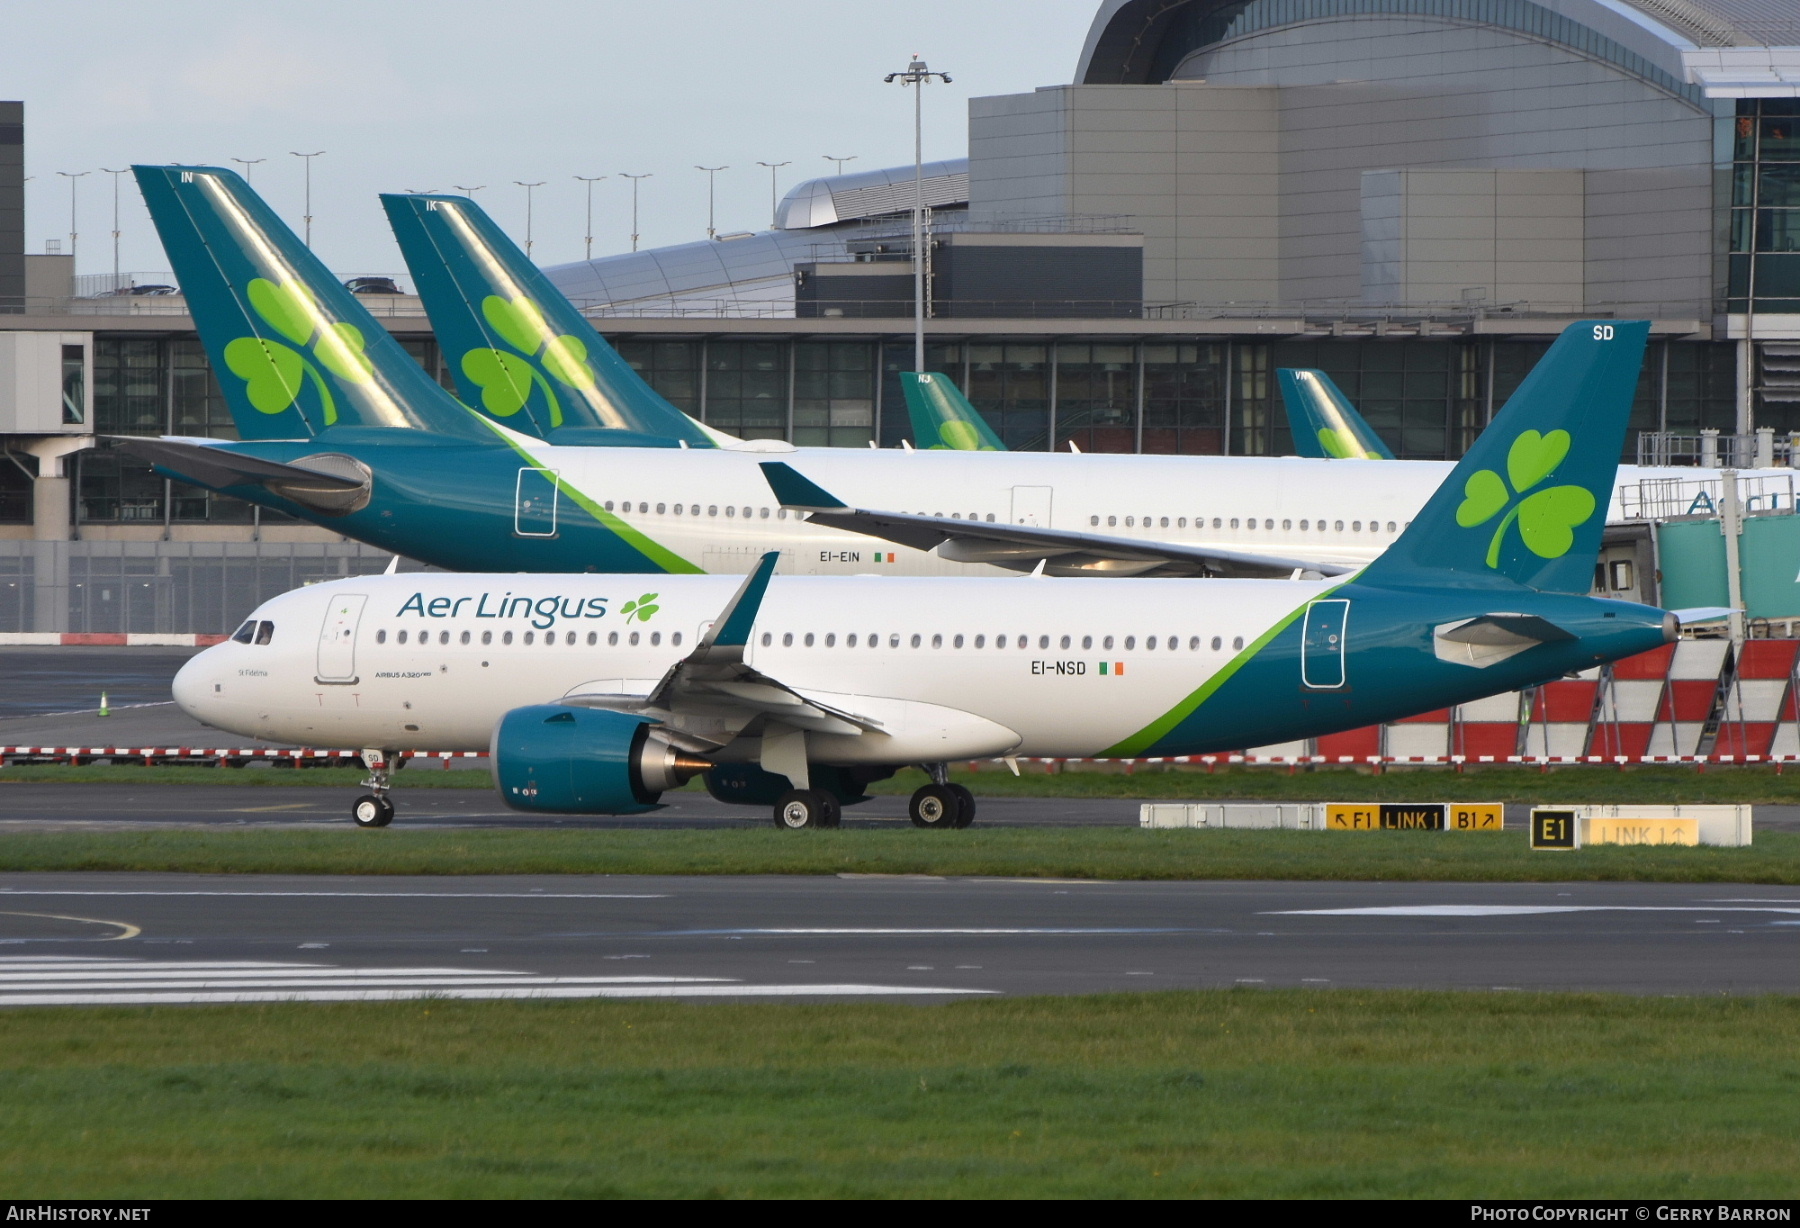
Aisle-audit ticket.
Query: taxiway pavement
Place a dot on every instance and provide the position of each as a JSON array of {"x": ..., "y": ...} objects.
[{"x": 173, "y": 938}]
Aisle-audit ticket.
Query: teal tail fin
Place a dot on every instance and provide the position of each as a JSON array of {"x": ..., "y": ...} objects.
[
  {"x": 1324, "y": 423},
  {"x": 519, "y": 349},
  {"x": 942, "y": 416},
  {"x": 1529, "y": 501},
  {"x": 294, "y": 351}
]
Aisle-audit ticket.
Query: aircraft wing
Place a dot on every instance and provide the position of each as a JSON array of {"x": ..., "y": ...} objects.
[
  {"x": 1023, "y": 547},
  {"x": 711, "y": 695}
]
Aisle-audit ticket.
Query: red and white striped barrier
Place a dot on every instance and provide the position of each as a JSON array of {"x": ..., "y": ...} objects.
[
  {"x": 107, "y": 639},
  {"x": 1562, "y": 712},
  {"x": 1693, "y": 689},
  {"x": 1424, "y": 738},
  {"x": 1761, "y": 689},
  {"x": 165, "y": 754},
  {"x": 1487, "y": 730},
  {"x": 1630, "y": 702}
]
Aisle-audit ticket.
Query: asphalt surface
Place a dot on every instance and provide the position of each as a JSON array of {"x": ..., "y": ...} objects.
[
  {"x": 50, "y": 680},
  {"x": 171, "y": 938},
  {"x": 110, "y": 807},
  {"x": 126, "y": 807}
]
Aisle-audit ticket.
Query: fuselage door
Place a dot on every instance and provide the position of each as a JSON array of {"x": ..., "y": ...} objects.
[
  {"x": 1322, "y": 644},
  {"x": 534, "y": 503},
  {"x": 337, "y": 638},
  {"x": 1031, "y": 505}
]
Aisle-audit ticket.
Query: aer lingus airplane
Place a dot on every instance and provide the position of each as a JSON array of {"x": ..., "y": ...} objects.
[
  {"x": 341, "y": 427},
  {"x": 597, "y": 693},
  {"x": 1324, "y": 422}
]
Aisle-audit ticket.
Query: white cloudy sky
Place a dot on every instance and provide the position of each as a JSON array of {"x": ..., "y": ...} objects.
[{"x": 430, "y": 94}]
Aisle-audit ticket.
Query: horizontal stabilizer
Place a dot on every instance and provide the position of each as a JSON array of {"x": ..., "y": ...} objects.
[
  {"x": 1702, "y": 614},
  {"x": 1492, "y": 638},
  {"x": 1024, "y": 547},
  {"x": 329, "y": 483}
]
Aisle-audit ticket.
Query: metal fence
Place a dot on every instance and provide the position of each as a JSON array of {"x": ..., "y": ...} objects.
[{"x": 161, "y": 587}]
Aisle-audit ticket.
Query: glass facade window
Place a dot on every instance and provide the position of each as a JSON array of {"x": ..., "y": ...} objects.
[
  {"x": 1251, "y": 383},
  {"x": 427, "y": 353},
  {"x": 1184, "y": 398},
  {"x": 196, "y": 403},
  {"x": 1096, "y": 397},
  {"x": 15, "y": 489},
  {"x": 74, "y": 385},
  {"x": 1010, "y": 385},
  {"x": 747, "y": 388},
  {"x": 834, "y": 394},
  {"x": 670, "y": 367},
  {"x": 1765, "y": 199},
  {"x": 128, "y": 386}
]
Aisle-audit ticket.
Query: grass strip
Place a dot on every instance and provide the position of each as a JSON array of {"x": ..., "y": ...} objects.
[
  {"x": 1150, "y": 782},
  {"x": 1092, "y": 852},
  {"x": 1236, "y": 1094}
]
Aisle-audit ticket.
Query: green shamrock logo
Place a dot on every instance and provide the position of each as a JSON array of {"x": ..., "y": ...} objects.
[
  {"x": 274, "y": 373},
  {"x": 506, "y": 379},
  {"x": 1341, "y": 445},
  {"x": 1547, "y": 519},
  {"x": 641, "y": 609}
]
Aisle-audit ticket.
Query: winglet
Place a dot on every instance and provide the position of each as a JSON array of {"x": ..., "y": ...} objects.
[
  {"x": 793, "y": 490},
  {"x": 732, "y": 630}
]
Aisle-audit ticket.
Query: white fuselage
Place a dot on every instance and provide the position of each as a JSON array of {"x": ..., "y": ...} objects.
[
  {"x": 716, "y": 510},
  {"x": 949, "y": 668}
]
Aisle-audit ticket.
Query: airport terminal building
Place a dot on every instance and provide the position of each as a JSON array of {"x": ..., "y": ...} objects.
[{"x": 1414, "y": 195}]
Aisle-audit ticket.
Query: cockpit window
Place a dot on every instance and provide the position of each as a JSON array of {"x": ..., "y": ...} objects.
[
  {"x": 265, "y": 631},
  {"x": 244, "y": 634}
]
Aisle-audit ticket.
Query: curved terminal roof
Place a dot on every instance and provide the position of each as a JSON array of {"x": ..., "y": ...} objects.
[
  {"x": 1143, "y": 42},
  {"x": 867, "y": 194},
  {"x": 754, "y": 274}
]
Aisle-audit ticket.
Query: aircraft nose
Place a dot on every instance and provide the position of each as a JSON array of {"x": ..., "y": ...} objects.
[{"x": 193, "y": 685}]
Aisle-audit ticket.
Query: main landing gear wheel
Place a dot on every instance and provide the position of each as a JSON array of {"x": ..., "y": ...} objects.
[
  {"x": 966, "y": 815},
  {"x": 372, "y": 811},
  {"x": 938, "y": 806},
  {"x": 800, "y": 809}
]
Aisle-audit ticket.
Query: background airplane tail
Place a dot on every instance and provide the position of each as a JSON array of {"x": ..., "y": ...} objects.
[
  {"x": 519, "y": 349},
  {"x": 942, "y": 416},
  {"x": 1528, "y": 502},
  {"x": 295, "y": 352},
  {"x": 1324, "y": 423}
]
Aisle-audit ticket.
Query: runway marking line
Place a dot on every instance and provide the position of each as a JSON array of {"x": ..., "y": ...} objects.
[
  {"x": 127, "y": 930},
  {"x": 1505, "y": 910},
  {"x": 883, "y": 931},
  {"x": 362, "y": 895},
  {"x": 75, "y": 981}
]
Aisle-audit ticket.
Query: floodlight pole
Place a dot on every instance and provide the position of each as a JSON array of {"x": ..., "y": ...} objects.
[
  {"x": 115, "y": 175},
  {"x": 307, "y": 158},
  {"x": 72, "y": 176},
  {"x": 774, "y": 222},
  {"x": 590, "y": 181},
  {"x": 634, "y": 203},
  {"x": 839, "y": 162},
  {"x": 918, "y": 76},
  {"x": 247, "y": 164},
  {"x": 711, "y": 173},
  {"x": 528, "y": 189},
  {"x": 467, "y": 191}
]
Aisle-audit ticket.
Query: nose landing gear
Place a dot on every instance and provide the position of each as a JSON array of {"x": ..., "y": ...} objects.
[{"x": 374, "y": 809}]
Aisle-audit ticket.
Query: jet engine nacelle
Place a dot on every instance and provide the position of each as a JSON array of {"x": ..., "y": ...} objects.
[{"x": 559, "y": 760}]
